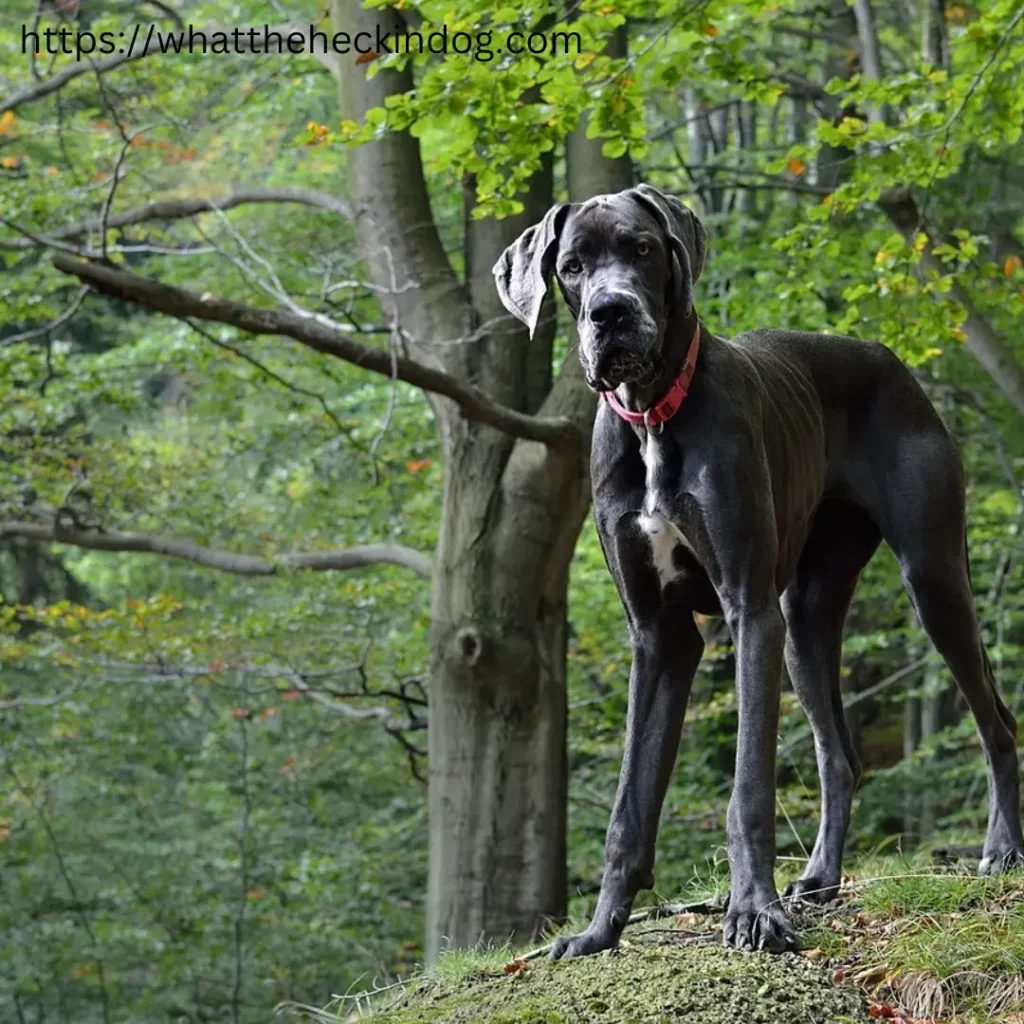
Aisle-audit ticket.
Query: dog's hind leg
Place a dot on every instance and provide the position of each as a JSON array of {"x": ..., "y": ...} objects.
[
  {"x": 928, "y": 538},
  {"x": 815, "y": 603},
  {"x": 941, "y": 595}
]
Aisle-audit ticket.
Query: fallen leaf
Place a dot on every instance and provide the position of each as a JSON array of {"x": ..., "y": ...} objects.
[
  {"x": 870, "y": 975},
  {"x": 881, "y": 1010},
  {"x": 517, "y": 966},
  {"x": 366, "y": 58},
  {"x": 812, "y": 954}
]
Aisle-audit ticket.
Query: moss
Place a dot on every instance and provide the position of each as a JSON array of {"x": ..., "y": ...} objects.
[{"x": 645, "y": 982}]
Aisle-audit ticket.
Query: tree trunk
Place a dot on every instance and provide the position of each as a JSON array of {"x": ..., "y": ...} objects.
[
  {"x": 511, "y": 513},
  {"x": 870, "y": 55},
  {"x": 497, "y": 741},
  {"x": 931, "y": 725},
  {"x": 498, "y": 772},
  {"x": 911, "y": 738},
  {"x": 934, "y": 48},
  {"x": 832, "y": 164}
]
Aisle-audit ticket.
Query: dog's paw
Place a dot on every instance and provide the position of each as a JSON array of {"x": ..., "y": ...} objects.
[
  {"x": 812, "y": 889},
  {"x": 584, "y": 944},
  {"x": 1001, "y": 859},
  {"x": 758, "y": 925}
]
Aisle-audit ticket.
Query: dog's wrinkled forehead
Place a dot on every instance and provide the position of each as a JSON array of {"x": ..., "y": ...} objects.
[
  {"x": 522, "y": 274},
  {"x": 608, "y": 222}
]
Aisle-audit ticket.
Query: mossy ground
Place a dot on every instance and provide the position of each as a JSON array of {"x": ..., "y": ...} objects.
[
  {"x": 907, "y": 941},
  {"x": 652, "y": 978}
]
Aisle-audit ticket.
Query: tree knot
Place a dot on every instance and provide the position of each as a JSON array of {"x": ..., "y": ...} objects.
[{"x": 470, "y": 644}]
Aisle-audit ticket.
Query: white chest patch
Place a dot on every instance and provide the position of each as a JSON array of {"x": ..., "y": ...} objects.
[{"x": 663, "y": 536}]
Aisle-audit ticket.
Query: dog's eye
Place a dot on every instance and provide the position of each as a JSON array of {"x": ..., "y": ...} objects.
[
  {"x": 642, "y": 249},
  {"x": 572, "y": 266}
]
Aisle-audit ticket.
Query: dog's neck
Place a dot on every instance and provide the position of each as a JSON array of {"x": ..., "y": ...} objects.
[{"x": 678, "y": 334}]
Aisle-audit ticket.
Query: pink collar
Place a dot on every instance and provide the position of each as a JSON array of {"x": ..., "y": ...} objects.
[{"x": 663, "y": 410}]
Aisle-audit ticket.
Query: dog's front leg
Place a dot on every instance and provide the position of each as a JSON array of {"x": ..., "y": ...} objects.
[
  {"x": 665, "y": 658},
  {"x": 754, "y": 918}
]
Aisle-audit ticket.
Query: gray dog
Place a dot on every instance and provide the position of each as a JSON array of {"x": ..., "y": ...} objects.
[{"x": 751, "y": 478}]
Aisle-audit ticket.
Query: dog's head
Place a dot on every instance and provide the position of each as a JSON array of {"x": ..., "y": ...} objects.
[{"x": 625, "y": 263}]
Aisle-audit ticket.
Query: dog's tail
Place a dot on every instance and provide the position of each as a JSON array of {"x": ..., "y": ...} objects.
[{"x": 1004, "y": 712}]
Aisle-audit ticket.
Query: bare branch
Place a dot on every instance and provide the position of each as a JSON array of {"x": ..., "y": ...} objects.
[
  {"x": 557, "y": 432},
  {"x": 46, "y": 329},
  {"x": 276, "y": 377},
  {"x": 38, "y": 89},
  {"x": 178, "y": 209},
  {"x": 341, "y": 560},
  {"x": 40, "y": 702}
]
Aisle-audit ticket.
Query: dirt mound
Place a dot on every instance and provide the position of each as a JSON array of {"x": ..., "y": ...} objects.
[{"x": 645, "y": 982}]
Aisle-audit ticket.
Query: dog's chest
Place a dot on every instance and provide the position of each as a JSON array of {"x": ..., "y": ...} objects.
[{"x": 665, "y": 540}]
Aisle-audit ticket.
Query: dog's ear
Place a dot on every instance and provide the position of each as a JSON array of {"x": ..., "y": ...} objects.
[
  {"x": 686, "y": 237},
  {"x": 524, "y": 270}
]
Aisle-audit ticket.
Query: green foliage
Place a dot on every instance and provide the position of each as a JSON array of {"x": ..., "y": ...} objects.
[{"x": 185, "y": 832}]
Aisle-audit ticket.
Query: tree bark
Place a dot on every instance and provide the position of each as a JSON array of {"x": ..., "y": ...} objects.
[
  {"x": 511, "y": 512},
  {"x": 934, "y": 48},
  {"x": 832, "y": 163},
  {"x": 870, "y": 56}
]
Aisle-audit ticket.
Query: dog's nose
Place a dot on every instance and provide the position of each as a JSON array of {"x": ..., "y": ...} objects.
[{"x": 609, "y": 308}]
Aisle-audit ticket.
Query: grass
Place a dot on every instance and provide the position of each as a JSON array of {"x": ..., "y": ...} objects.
[
  {"x": 935, "y": 944},
  {"x": 940, "y": 945},
  {"x": 459, "y": 965}
]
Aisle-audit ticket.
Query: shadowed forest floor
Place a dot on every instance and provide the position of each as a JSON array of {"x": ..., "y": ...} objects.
[{"x": 905, "y": 942}]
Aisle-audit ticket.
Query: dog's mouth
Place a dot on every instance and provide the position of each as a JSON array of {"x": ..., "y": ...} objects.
[
  {"x": 624, "y": 367},
  {"x": 630, "y": 360}
]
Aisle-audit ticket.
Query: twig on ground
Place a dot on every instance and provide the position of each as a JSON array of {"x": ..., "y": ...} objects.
[{"x": 650, "y": 914}]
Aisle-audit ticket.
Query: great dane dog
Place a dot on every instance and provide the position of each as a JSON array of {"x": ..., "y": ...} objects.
[{"x": 752, "y": 478}]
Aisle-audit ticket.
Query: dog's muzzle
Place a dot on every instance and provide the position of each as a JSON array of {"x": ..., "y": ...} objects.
[{"x": 618, "y": 340}]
